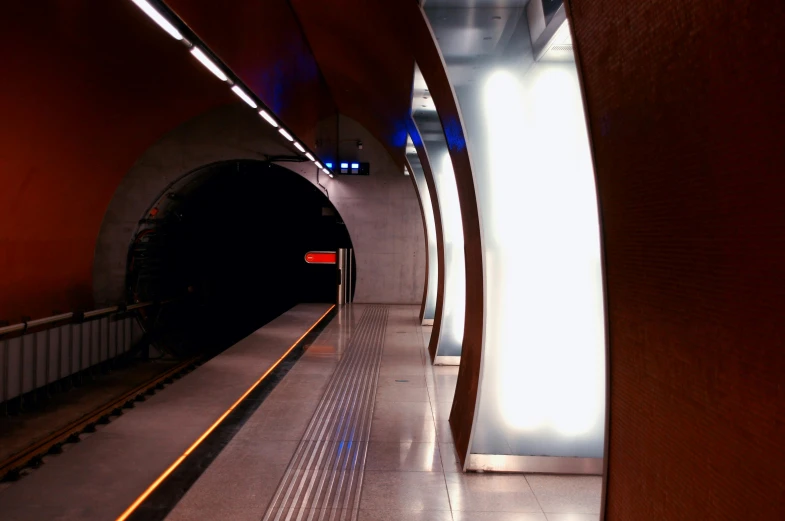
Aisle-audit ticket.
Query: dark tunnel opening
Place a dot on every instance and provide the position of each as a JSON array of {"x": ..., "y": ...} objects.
[{"x": 228, "y": 242}]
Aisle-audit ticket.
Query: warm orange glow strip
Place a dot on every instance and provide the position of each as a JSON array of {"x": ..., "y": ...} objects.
[{"x": 130, "y": 510}]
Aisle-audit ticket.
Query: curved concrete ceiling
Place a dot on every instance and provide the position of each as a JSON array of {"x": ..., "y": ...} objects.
[
  {"x": 263, "y": 44},
  {"x": 363, "y": 52},
  {"x": 363, "y": 63}
]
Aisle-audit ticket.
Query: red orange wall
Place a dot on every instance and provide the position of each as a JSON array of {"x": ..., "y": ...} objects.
[
  {"x": 687, "y": 117},
  {"x": 87, "y": 87}
]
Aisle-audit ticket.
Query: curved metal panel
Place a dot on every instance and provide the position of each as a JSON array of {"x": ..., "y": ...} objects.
[
  {"x": 428, "y": 307},
  {"x": 425, "y": 162},
  {"x": 541, "y": 386},
  {"x": 408, "y": 166},
  {"x": 429, "y": 59},
  {"x": 449, "y": 339}
]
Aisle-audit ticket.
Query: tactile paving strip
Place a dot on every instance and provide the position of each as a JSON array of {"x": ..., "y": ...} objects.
[{"x": 324, "y": 478}]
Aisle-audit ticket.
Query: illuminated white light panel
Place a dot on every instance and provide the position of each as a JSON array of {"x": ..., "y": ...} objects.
[
  {"x": 268, "y": 118},
  {"x": 450, "y": 342},
  {"x": 285, "y": 134},
  {"x": 243, "y": 96},
  {"x": 208, "y": 63},
  {"x": 299, "y": 147},
  {"x": 159, "y": 19},
  {"x": 310, "y": 156},
  {"x": 318, "y": 164},
  {"x": 542, "y": 386}
]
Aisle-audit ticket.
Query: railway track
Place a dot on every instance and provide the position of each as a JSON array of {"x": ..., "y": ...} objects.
[{"x": 32, "y": 457}]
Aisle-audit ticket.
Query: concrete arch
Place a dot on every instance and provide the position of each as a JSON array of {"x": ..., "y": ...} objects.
[{"x": 381, "y": 211}]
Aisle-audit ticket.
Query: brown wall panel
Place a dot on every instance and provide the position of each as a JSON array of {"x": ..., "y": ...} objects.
[{"x": 687, "y": 118}]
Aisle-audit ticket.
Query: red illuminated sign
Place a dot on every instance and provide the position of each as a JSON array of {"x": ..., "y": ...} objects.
[{"x": 320, "y": 257}]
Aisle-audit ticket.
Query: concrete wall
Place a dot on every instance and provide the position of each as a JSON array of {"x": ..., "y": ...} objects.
[
  {"x": 380, "y": 211},
  {"x": 383, "y": 216}
]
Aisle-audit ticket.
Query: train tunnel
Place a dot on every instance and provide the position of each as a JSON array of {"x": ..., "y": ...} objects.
[
  {"x": 227, "y": 243},
  {"x": 567, "y": 251}
]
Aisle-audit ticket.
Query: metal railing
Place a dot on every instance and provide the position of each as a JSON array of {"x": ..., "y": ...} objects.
[{"x": 36, "y": 354}]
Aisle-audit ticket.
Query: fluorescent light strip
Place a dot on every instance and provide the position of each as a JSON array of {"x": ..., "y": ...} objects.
[
  {"x": 130, "y": 510},
  {"x": 243, "y": 96},
  {"x": 327, "y": 172},
  {"x": 268, "y": 118},
  {"x": 158, "y": 18},
  {"x": 167, "y": 26},
  {"x": 208, "y": 63}
]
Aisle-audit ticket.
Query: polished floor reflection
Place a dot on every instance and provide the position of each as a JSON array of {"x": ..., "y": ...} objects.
[
  {"x": 412, "y": 471},
  {"x": 405, "y": 464}
]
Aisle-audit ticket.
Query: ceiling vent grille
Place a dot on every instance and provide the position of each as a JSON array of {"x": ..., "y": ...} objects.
[{"x": 562, "y": 47}]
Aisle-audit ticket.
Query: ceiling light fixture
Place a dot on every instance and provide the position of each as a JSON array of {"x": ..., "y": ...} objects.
[
  {"x": 158, "y": 18},
  {"x": 243, "y": 96},
  {"x": 268, "y": 118},
  {"x": 217, "y": 67},
  {"x": 208, "y": 63}
]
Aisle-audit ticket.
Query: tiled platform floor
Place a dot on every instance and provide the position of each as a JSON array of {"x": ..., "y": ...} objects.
[
  {"x": 412, "y": 463},
  {"x": 99, "y": 477},
  {"x": 411, "y": 471}
]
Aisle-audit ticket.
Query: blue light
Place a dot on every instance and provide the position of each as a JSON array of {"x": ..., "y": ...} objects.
[
  {"x": 355, "y": 166},
  {"x": 329, "y": 165},
  {"x": 454, "y": 134},
  {"x": 344, "y": 165}
]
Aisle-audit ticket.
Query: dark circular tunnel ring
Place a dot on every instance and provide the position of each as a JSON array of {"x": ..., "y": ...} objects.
[{"x": 228, "y": 240}]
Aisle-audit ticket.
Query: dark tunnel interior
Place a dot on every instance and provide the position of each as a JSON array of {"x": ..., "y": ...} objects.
[{"x": 228, "y": 242}]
